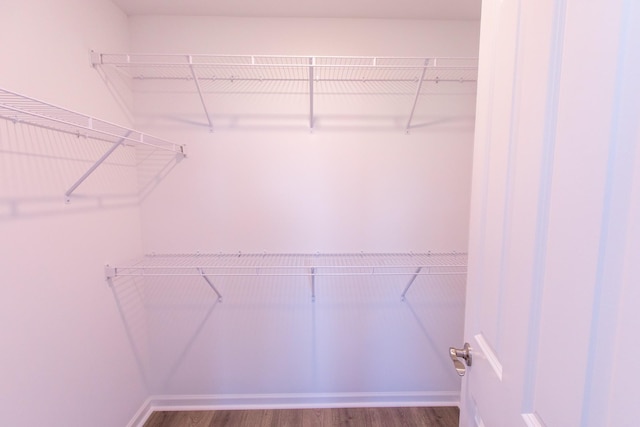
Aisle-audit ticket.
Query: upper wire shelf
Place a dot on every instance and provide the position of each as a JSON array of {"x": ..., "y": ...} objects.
[
  {"x": 211, "y": 73},
  {"x": 240, "y": 264},
  {"x": 410, "y": 265},
  {"x": 23, "y": 109},
  {"x": 291, "y": 68}
]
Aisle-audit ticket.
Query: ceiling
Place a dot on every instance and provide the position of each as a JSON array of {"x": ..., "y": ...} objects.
[{"x": 392, "y": 9}]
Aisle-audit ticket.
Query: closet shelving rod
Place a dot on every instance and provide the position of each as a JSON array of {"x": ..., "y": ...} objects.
[
  {"x": 303, "y": 80},
  {"x": 287, "y": 267},
  {"x": 316, "y": 274},
  {"x": 235, "y": 78}
]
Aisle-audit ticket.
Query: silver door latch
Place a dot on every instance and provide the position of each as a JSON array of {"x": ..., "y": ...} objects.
[{"x": 464, "y": 353}]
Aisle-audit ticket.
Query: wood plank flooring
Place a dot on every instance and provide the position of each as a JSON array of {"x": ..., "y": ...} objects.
[{"x": 365, "y": 417}]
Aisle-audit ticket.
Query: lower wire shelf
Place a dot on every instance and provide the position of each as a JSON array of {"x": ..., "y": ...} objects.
[{"x": 207, "y": 266}]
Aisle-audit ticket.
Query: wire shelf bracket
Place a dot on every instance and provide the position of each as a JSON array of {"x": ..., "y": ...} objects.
[
  {"x": 417, "y": 97},
  {"x": 23, "y": 109},
  {"x": 197, "y": 82},
  {"x": 206, "y": 279},
  {"x": 114, "y": 147},
  {"x": 311, "y": 64},
  {"x": 406, "y": 289}
]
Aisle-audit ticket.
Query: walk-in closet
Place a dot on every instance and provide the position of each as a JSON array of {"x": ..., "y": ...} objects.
[
  {"x": 220, "y": 211},
  {"x": 232, "y": 206}
]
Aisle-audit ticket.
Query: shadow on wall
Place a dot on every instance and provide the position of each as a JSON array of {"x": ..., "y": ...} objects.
[
  {"x": 434, "y": 298},
  {"x": 37, "y": 167},
  {"x": 185, "y": 303},
  {"x": 119, "y": 87},
  {"x": 268, "y": 336}
]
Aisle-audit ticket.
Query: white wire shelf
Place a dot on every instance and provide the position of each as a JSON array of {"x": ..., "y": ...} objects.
[
  {"x": 290, "y": 68},
  {"x": 410, "y": 265},
  {"x": 313, "y": 74},
  {"x": 23, "y": 109}
]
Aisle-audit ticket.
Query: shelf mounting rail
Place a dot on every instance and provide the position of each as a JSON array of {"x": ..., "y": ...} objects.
[{"x": 23, "y": 109}]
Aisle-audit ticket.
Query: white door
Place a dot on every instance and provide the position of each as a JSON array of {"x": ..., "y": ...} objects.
[{"x": 553, "y": 296}]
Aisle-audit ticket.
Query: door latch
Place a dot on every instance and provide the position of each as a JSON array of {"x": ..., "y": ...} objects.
[{"x": 464, "y": 353}]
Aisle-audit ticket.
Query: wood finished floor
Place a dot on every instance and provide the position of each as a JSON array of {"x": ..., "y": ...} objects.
[{"x": 366, "y": 417}]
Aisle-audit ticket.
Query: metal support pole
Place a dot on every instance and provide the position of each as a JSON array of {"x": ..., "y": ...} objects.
[
  {"x": 311, "y": 66},
  {"x": 197, "y": 82},
  {"x": 406, "y": 289},
  {"x": 418, "y": 89},
  {"x": 211, "y": 284},
  {"x": 313, "y": 284},
  {"x": 67, "y": 194}
]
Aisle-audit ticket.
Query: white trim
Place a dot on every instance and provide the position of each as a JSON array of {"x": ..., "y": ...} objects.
[
  {"x": 478, "y": 420},
  {"x": 532, "y": 420},
  {"x": 291, "y": 401},
  {"x": 491, "y": 357},
  {"x": 141, "y": 415}
]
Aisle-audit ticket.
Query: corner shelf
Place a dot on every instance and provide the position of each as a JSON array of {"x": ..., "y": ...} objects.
[
  {"x": 23, "y": 109},
  {"x": 207, "y": 266},
  {"x": 211, "y": 73}
]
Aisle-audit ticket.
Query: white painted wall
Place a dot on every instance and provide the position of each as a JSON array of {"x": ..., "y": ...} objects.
[
  {"x": 264, "y": 183},
  {"x": 297, "y": 36},
  {"x": 66, "y": 358}
]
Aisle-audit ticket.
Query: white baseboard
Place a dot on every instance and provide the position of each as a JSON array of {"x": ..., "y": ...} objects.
[
  {"x": 290, "y": 401},
  {"x": 141, "y": 415},
  {"x": 532, "y": 420}
]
